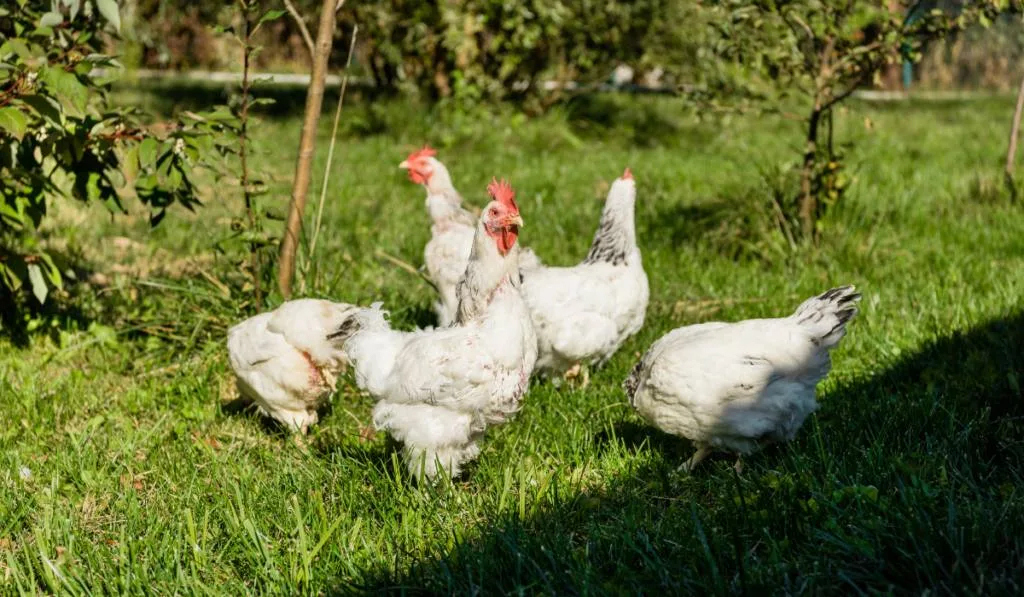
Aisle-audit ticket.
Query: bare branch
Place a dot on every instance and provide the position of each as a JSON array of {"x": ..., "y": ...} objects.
[
  {"x": 330, "y": 148},
  {"x": 339, "y": 5},
  {"x": 255, "y": 260},
  {"x": 1011, "y": 152},
  {"x": 306, "y": 37},
  {"x": 803, "y": 25},
  {"x": 407, "y": 267}
]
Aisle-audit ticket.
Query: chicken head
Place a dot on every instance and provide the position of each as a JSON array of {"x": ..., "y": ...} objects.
[
  {"x": 501, "y": 216},
  {"x": 420, "y": 164}
]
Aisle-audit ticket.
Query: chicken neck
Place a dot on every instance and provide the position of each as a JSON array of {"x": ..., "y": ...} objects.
[{"x": 615, "y": 238}]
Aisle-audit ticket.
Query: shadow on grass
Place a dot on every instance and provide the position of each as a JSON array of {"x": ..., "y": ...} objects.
[
  {"x": 368, "y": 455},
  {"x": 907, "y": 481},
  {"x": 21, "y": 315}
]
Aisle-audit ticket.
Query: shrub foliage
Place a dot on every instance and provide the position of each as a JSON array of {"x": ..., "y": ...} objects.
[{"x": 60, "y": 137}]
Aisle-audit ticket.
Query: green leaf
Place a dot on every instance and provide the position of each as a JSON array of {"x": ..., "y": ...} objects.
[
  {"x": 69, "y": 91},
  {"x": 51, "y": 19},
  {"x": 108, "y": 8},
  {"x": 73, "y": 7},
  {"x": 9, "y": 278},
  {"x": 130, "y": 162},
  {"x": 16, "y": 46},
  {"x": 270, "y": 15},
  {"x": 52, "y": 271},
  {"x": 46, "y": 107},
  {"x": 13, "y": 121},
  {"x": 147, "y": 152},
  {"x": 35, "y": 277}
]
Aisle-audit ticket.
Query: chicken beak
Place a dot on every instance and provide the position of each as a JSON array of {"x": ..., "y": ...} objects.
[
  {"x": 516, "y": 220},
  {"x": 404, "y": 165}
]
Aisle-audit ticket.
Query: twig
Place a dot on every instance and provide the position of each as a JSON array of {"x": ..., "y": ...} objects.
[
  {"x": 220, "y": 285},
  {"x": 728, "y": 301},
  {"x": 337, "y": 8},
  {"x": 243, "y": 140},
  {"x": 303, "y": 30},
  {"x": 704, "y": 305},
  {"x": 330, "y": 148},
  {"x": 407, "y": 267},
  {"x": 1011, "y": 151}
]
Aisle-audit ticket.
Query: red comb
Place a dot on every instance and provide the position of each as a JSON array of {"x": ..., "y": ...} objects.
[
  {"x": 426, "y": 152},
  {"x": 627, "y": 175},
  {"x": 502, "y": 192}
]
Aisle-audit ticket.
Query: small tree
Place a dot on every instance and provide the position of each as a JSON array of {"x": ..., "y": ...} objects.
[
  {"x": 307, "y": 145},
  {"x": 820, "y": 52}
]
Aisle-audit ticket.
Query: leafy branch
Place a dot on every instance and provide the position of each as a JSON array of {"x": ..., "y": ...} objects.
[{"x": 60, "y": 138}]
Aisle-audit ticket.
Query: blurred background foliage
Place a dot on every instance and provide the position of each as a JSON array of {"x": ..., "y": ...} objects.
[{"x": 498, "y": 48}]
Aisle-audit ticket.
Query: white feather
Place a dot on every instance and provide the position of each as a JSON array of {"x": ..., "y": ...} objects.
[
  {"x": 583, "y": 314},
  {"x": 451, "y": 239},
  {"x": 734, "y": 386},
  {"x": 283, "y": 361},
  {"x": 438, "y": 389}
]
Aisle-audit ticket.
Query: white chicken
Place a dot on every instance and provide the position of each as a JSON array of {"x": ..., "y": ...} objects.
[
  {"x": 582, "y": 314},
  {"x": 451, "y": 231},
  {"x": 736, "y": 386},
  {"x": 438, "y": 389},
  {"x": 283, "y": 361}
]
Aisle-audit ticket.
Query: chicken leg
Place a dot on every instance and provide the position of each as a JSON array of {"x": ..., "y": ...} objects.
[{"x": 701, "y": 453}]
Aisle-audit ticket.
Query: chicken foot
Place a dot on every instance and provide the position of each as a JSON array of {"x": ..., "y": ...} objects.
[{"x": 579, "y": 370}]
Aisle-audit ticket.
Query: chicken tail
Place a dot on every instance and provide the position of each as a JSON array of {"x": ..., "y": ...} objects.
[
  {"x": 633, "y": 381},
  {"x": 825, "y": 316}
]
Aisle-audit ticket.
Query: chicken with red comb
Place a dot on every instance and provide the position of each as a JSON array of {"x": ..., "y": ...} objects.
[
  {"x": 421, "y": 168},
  {"x": 451, "y": 232},
  {"x": 438, "y": 390},
  {"x": 506, "y": 231},
  {"x": 582, "y": 314}
]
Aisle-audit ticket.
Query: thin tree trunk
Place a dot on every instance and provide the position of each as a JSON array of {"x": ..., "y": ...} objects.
[
  {"x": 1011, "y": 151},
  {"x": 808, "y": 203},
  {"x": 243, "y": 154},
  {"x": 892, "y": 73},
  {"x": 307, "y": 144}
]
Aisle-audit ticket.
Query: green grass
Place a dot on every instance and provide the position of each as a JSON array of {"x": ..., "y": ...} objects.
[{"x": 907, "y": 480}]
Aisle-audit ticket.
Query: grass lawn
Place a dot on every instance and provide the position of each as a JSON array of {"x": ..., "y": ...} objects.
[{"x": 123, "y": 470}]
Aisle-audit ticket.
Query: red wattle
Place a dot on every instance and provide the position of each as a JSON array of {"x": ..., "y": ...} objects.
[
  {"x": 417, "y": 177},
  {"x": 506, "y": 240}
]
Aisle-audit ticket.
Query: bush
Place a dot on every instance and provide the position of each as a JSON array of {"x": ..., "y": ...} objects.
[
  {"x": 496, "y": 49},
  {"x": 61, "y": 138}
]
